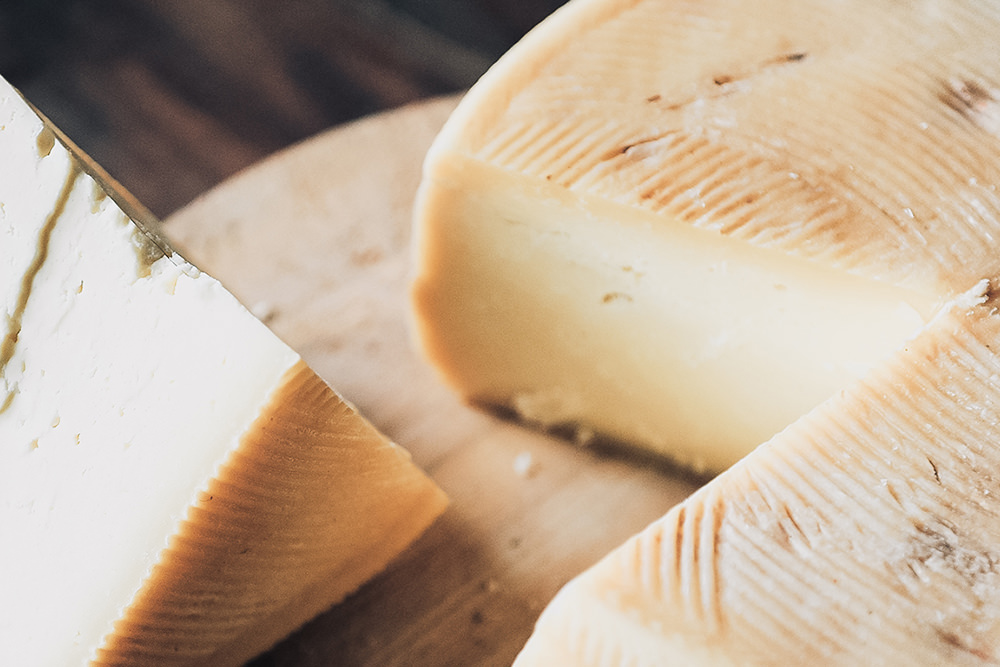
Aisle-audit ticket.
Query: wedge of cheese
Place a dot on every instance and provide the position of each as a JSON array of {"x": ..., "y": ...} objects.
[
  {"x": 176, "y": 486},
  {"x": 683, "y": 224},
  {"x": 867, "y": 533}
]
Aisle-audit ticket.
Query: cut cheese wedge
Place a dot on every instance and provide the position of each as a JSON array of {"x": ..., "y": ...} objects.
[
  {"x": 682, "y": 225},
  {"x": 867, "y": 533},
  {"x": 176, "y": 486}
]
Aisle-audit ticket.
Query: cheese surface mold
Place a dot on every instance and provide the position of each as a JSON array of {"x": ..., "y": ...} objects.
[{"x": 177, "y": 487}]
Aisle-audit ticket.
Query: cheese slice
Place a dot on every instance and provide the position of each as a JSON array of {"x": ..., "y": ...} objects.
[
  {"x": 176, "y": 486},
  {"x": 683, "y": 224},
  {"x": 867, "y": 533}
]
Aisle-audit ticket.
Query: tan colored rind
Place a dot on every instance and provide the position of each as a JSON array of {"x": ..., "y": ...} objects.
[
  {"x": 866, "y": 533},
  {"x": 822, "y": 131},
  {"x": 486, "y": 102},
  {"x": 312, "y": 504}
]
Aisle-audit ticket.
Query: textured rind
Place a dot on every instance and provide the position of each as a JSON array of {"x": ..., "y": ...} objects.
[
  {"x": 866, "y": 533},
  {"x": 312, "y": 503},
  {"x": 822, "y": 130}
]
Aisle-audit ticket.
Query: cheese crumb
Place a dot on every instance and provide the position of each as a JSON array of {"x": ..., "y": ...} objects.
[
  {"x": 264, "y": 311},
  {"x": 524, "y": 465},
  {"x": 975, "y": 296}
]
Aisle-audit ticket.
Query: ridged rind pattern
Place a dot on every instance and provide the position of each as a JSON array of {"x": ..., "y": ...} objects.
[
  {"x": 866, "y": 533},
  {"x": 313, "y": 503},
  {"x": 836, "y": 136}
]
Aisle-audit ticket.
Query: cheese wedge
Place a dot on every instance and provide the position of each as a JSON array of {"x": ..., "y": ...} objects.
[
  {"x": 176, "y": 486},
  {"x": 867, "y": 533},
  {"x": 682, "y": 225}
]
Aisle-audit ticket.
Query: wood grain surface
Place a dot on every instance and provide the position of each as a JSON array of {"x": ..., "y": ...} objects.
[
  {"x": 173, "y": 96},
  {"x": 316, "y": 239}
]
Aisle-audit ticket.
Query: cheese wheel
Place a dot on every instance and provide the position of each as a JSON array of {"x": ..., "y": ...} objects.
[
  {"x": 176, "y": 486},
  {"x": 682, "y": 225},
  {"x": 697, "y": 226}
]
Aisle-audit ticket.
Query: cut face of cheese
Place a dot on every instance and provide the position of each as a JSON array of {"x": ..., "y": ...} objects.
[
  {"x": 176, "y": 486},
  {"x": 683, "y": 225},
  {"x": 866, "y": 533},
  {"x": 591, "y": 313}
]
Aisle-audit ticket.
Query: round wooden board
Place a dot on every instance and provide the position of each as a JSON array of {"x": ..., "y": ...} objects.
[{"x": 316, "y": 240}]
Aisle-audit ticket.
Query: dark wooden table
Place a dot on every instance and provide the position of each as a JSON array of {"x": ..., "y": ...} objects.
[{"x": 173, "y": 96}]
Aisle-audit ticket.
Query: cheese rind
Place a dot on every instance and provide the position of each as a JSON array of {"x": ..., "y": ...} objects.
[
  {"x": 156, "y": 481},
  {"x": 279, "y": 506},
  {"x": 667, "y": 136},
  {"x": 865, "y": 533}
]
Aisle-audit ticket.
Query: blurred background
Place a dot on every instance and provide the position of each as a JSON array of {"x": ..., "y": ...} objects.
[{"x": 173, "y": 96}]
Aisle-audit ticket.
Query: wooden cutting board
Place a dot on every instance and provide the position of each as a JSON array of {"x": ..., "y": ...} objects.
[{"x": 316, "y": 240}]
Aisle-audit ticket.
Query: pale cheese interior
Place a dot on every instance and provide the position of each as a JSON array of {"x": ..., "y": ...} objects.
[
  {"x": 129, "y": 375},
  {"x": 613, "y": 320}
]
